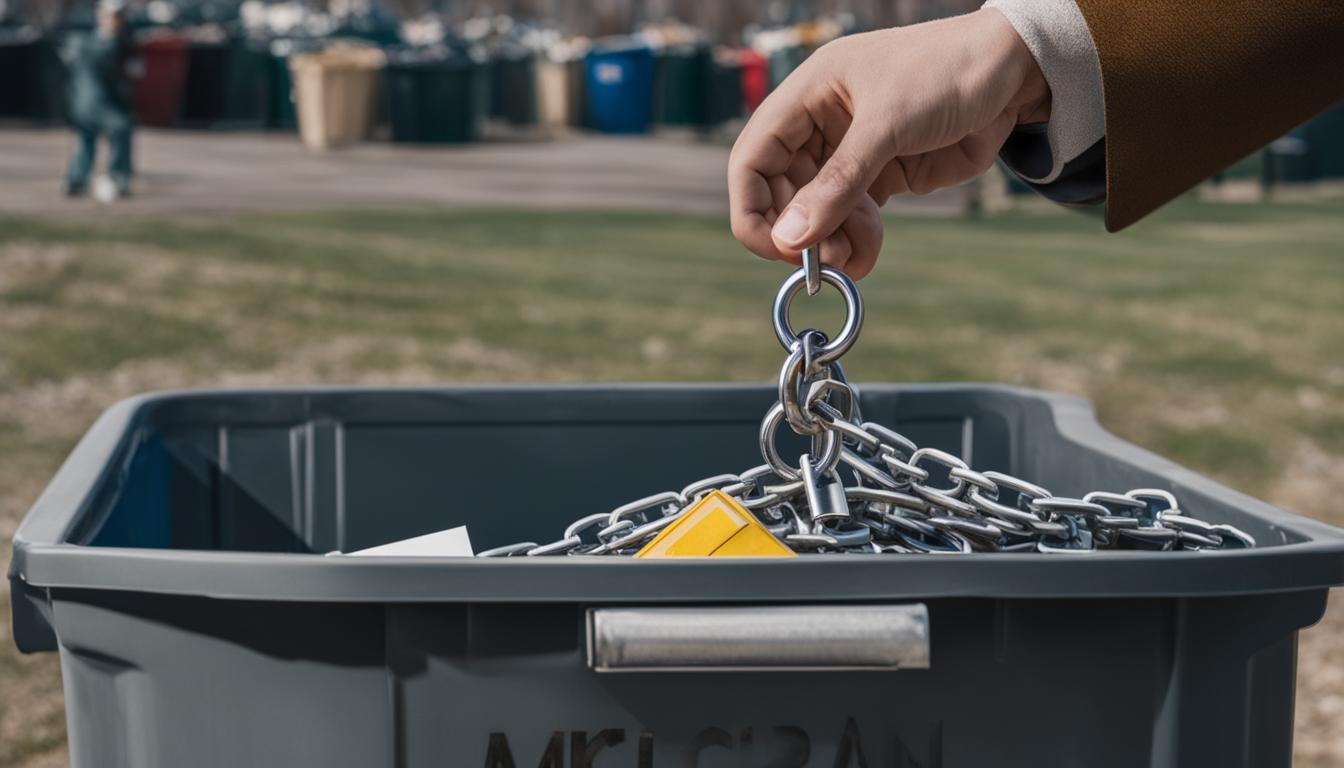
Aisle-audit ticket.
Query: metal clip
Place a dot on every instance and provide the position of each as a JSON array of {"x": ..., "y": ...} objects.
[{"x": 812, "y": 269}]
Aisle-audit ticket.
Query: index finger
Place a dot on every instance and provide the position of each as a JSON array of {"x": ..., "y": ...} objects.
[{"x": 765, "y": 148}]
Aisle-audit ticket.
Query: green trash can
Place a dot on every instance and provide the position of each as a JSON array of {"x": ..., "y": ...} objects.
[
  {"x": 278, "y": 108},
  {"x": 1323, "y": 155},
  {"x": 434, "y": 95},
  {"x": 1289, "y": 159},
  {"x": 783, "y": 61},
  {"x": 247, "y": 88},
  {"x": 680, "y": 76},
  {"x": 1327, "y": 132},
  {"x": 513, "y": 87},
  {"x": 578, "y": 92}
]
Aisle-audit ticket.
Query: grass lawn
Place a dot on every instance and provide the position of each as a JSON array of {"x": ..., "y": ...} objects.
[{"x": 1211, "y": 334}]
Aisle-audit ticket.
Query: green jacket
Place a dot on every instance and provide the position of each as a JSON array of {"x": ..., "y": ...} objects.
[{"x": 100, "y": 88}]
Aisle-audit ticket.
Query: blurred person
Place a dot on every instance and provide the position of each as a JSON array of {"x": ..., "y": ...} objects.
[
  {"x": 100, "y": 101},
  {"x": 1090, "y": 102}
]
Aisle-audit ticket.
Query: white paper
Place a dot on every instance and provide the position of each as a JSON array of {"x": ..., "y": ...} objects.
[{"x": 453, "y": 542}]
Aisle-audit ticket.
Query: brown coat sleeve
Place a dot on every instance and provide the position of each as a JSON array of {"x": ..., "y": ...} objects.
[{"x": 1192, "y": 86}]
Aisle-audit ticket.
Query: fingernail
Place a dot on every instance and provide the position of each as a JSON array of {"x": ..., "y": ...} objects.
[{"x": 790, "y": 227}]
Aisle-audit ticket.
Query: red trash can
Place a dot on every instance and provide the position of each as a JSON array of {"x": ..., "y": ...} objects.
[
  {"x": 159, "y": 77},
  {"x": 754, "y": 83}
]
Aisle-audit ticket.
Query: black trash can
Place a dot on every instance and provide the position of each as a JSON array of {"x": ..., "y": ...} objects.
[
  {"x": 434, "y": 96},
  {"x": 723, "y": 97},
  {"x": 513, "y": 87},
  {"x": 681, "y": 75},
  {"x": 33, "y": 76},
  {"x": 176, "y": 563},
  {"x": 205, "y": 97}
]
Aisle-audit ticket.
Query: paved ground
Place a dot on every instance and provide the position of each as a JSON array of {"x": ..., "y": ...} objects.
[{"x": 197, "y": 171}]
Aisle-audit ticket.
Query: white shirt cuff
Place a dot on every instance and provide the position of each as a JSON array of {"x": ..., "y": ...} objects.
[{"x": 1057, "y": 36}]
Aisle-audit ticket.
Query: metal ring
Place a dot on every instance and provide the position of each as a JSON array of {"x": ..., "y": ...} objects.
[
  {"x": 939, "y": 542},
  {"x": 1197, "y": 541},
  {"x": 1017, "y": 485},
  {"x": 810, "y": 541},
  {"x": 830, "y": 454},
  {"x": 865, "y": 471},
  {"x": 849, "y": 332},
  {"x": 945, "y": 459},
  {"x": 611, "y": 531},
  {"x": 791, "y": 380},
  {"x": 1150, "y": 538},
  {"x": 641, "y": 506},
  {"x": 1008, "y": 514},
  {"x": 1173, "y": 519},
  {"x": 888, "y": 498},
  {"x": 943, "y": 500},
  {"x": 834, "y": 419},
  {"x": 1233, "y": 537},
  {"x": 584, "y": 523},
  {"x": 891, "y": 458},
  {"x": 645, "y": 531},
  {"x": 987, "y": 535},
  {"x": 1056, "y": 506},
  {"x": 560, "y": 547},
  {"x": 701, "y": 487},
  {"x": 1119, "y": 503},
  {"x": 973, "y": 479},
  {"x": 854, "y": 535},
  {"x": 891, "y": 439},
  {"x": 509, "y": 550}
]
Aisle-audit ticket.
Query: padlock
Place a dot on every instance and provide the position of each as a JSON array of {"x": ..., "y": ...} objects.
[
  {"x": 826, "y": 499},
  {"x": 716, "y": 526}
]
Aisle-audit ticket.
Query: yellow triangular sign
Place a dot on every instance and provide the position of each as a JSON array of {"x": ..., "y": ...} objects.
[{"x": 717, "y": 526}]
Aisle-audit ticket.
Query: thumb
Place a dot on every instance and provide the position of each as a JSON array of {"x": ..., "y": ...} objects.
[{"x": 823, "y": 204}]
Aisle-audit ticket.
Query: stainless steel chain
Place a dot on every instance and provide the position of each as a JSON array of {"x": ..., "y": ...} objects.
[{"x": 901, "y": 498}]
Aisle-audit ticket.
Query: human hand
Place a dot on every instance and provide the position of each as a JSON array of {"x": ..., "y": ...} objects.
[{"x": 868, "y": 116}]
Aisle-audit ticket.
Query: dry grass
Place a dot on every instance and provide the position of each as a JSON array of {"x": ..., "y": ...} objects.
[{"x": 1211, "y": 335}]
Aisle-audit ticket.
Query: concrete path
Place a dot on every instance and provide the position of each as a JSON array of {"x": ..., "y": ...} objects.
[{"x": 215, "y": 171}]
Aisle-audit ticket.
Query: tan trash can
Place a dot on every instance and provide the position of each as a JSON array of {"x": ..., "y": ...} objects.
[
  {"x": 335, "y": 94},
  {"x": 553, "y": 107},
  {"x": 559, "y": 75}
]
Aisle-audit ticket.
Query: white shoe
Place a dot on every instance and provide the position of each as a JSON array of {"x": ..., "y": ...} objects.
[{"x": 105, "y": 190}]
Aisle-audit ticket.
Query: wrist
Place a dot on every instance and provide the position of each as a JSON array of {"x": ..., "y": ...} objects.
[{"x": 1021, "y": 72}]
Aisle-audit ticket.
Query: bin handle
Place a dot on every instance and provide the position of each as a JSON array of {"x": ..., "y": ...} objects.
[{"x": 759, "y": 638}]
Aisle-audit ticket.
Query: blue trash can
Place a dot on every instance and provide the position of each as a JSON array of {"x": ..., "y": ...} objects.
[{"x": 620, "y": 88}]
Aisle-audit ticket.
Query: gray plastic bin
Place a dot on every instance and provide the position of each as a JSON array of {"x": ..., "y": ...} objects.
[{"x": 173, "y": 563}]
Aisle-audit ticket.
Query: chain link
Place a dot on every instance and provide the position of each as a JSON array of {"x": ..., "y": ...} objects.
[{"x": 903, "y": 498}]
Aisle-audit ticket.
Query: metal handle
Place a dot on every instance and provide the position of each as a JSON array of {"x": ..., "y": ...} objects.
[{"x": 759, "y": 638}]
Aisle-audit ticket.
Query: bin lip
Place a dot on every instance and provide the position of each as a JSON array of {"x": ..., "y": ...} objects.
[
  {"x": 314, "y": 578},
  {"x": 43, "y": 559}
]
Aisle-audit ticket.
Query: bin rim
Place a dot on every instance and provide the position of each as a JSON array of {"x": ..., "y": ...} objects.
[{"x": 43, "y": 559}]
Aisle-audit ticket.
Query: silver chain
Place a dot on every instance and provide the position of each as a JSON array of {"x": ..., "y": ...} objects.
[{"x": 902, "y": 498}]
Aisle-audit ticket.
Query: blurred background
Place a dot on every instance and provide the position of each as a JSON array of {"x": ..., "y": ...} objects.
[{"x": 432, "y": 191}]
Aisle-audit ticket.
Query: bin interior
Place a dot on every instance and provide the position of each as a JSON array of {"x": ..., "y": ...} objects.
[{"x": 296, "y": 472}]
